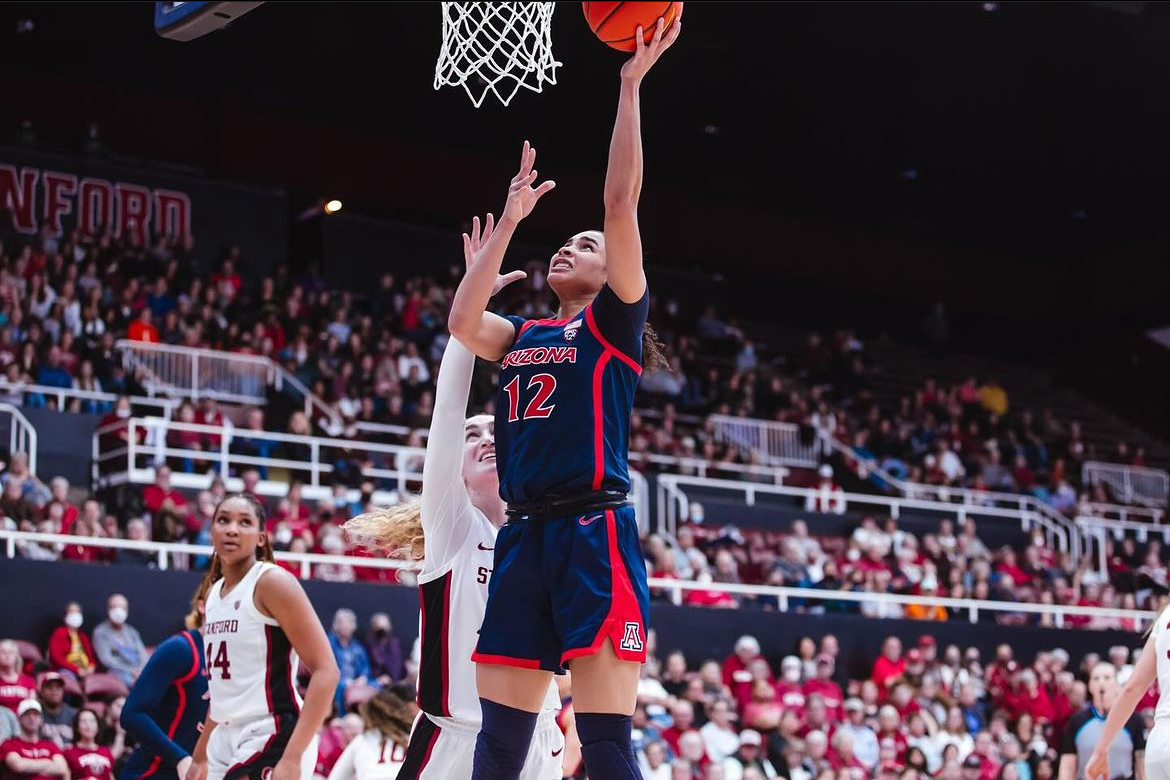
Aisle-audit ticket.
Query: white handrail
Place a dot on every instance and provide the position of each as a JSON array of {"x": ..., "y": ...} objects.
[
  {"x": 784, "y": 595},
  {"x": 165, "y": 549},
  {"x": 229, "y": 376},
  {"x": 22, "y": 436},
  {"x": 1096, "y": 528},
  {"x": 778, "y": 442},
  {"x": 674, "y": 504},
  {"x": 1028, "y": 505},
  {"x": 774, "y": 474},
  {"x": 1130, "y": 484},
  {"x": 1121, "y": 512},
  {"x": 167, "y": 405}
]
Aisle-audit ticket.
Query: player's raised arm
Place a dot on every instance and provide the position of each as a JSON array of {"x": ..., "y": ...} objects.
[
  {"x": 486, "y": 334},
  {"x": 623, "y": 177}
]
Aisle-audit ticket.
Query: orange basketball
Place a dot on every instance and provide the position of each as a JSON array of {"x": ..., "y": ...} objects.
[{"x": 616, "y": 24}]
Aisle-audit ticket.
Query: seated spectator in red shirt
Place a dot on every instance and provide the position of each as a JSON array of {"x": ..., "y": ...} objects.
[
  {"x": 85, "y": 553},
  {"x": 998, "y": 673},
  {"x": 1030, "y": 697},
  {"x": 735, "y": 667},
  {"x": 763, "y": 712},
  {"x": 29, "y": 756},
  {"x": 816, "y": 716},
  {"x": 1009, "y": 567},
  {"x": 789, "y": 689},
  {"x": 824, "y": 687},
  {"x": 333, "y": 740},
  {"x": 292, "y": 508},
  {"x": 59, "y": 489},
  {"x": 692, "y": 750},
  {"x": 87, "y": 760},
  {"x": 709, "y": 598},
  {"x": 890, "y": 665},
  {"x": 13, "y": 505},
  {"x": 165, "y": 504},
  {"x": 682, "y": 715},
  {"x": 209, "y": 414},
  {"x": 15, "y": 685},
  {"x": 70, "y": 649},
  {"x": 116, "y": 431},
  {"x": 142, "y": 328},
  {"x": 985, "y": 751},
  {"x": 889, "y": 732}
]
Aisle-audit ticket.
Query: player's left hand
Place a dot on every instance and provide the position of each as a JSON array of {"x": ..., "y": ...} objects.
[
  {"x": 648, "y": 53},
  {"x": 472, "y": 244},
  {"x": 287, "y": 768},
  {"x": 1098, "y": 767}
]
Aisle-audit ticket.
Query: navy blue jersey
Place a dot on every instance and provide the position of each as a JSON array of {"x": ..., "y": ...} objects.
[
  {"x": 165, "y": 708},
  {"x": 565, "y": 397}
]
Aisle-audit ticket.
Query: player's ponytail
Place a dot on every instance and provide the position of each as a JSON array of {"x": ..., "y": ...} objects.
[
  {"x": 394, "y": 530},
  {"x": 652, "y": 355},
  {"x": 388, "y": 713},
  {"x": 194, "y": 619}
]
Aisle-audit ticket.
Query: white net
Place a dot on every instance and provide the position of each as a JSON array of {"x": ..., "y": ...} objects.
[{"x": 497, "y": 48}]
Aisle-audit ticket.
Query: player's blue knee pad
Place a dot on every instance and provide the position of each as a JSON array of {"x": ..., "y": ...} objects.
[
  {"x": 605, "y": 746},
  {"x": 503, "y": 741}
]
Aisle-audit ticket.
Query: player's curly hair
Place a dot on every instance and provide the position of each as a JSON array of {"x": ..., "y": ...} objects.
[
  {"x": 395, "y": 530},
  {"x": 388, "y": 713},
  {"x": 263, "y": 552},
  {"x": 652, "y": 349}
]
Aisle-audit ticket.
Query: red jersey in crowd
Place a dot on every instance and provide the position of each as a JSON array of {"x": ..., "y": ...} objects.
[
  {"x": 90, "y": 764},
  {"x": 737, "y": 677},
  {"x": 831, "y": 693},
  {"x": 791, "y": 696},
  {"x": 32, "y": 751},
  {"x": 14, "y": 690},
  {"x": 673, "y": 734},
  {"x": 154, "y": 497},
  {"x": 885, "y": 669},
  {"x": 893, "y": 739},
  {"x": 67, "y": 648}
]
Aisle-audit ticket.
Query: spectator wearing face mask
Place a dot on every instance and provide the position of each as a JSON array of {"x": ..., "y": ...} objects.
[
  {"x": 118, "y": 644},
  {"x": 827, "y": 496},
  {"x": 387, "y": 664},
  {"x": 70, "y": 648},
  {"x": 789, "y": 689}
]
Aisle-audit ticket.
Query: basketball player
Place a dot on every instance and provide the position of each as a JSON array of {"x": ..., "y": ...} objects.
[
  {"x": 569, "y": 585},
  {"x": 1153, "y": 666},
  {"x": 379, "y": 752},
  {"x": 167, "y": 704},
  {"x": 257, "y": 622},
  {"x": 453, "y": 531}
]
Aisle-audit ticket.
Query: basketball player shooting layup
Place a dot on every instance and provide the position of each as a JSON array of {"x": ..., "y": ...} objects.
[
  {"x": 453, "y": 531},
  {"x": 569, "y": 582}
]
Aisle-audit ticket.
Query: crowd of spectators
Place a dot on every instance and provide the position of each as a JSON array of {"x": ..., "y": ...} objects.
[{"x": 923, "y": 712}]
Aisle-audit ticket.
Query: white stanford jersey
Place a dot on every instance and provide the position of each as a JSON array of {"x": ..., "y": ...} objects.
[
  {"x": 371, "y": 756},
  {"x": 453, "y": 586},
  {"x": 251, "y": 665},
  {"x": 1162, "y": 648}
]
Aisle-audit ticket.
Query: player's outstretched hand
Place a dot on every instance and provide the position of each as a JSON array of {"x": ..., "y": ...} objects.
[
  {"x": 472, "y": 244},
  {"x": 648, "y": 53},
  {"x": 522, "y": 196}
]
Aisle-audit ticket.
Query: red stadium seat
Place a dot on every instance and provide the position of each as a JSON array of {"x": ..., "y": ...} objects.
[
  {"x": 104, "y": 687},
  {"x": 99, "y": 708},
  {"x": 29, "y": 652},
  {"x": 73, "y": 690}
]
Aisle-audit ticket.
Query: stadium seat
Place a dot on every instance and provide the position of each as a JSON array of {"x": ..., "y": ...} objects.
[
  {"x": 29, "y": 652},
  {"x": 104, "y": 687}
]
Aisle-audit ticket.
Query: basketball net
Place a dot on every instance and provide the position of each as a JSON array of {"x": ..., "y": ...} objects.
[{"x": 497, "y": 48}]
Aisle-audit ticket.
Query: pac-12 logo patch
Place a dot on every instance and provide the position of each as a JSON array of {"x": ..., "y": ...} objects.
[
  {"x": 632, "y": 638},
  {"x": 571, "y": 330}
]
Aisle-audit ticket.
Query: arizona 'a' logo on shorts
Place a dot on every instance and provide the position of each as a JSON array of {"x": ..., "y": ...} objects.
[{"x": 632, "y": 638}]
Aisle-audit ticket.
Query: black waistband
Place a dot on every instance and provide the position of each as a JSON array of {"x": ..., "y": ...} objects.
[{"x": 563, "y": 506}]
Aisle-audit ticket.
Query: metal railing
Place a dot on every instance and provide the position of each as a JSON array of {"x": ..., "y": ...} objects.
[
  {"x": 131, "y": 461},
  {"x": 778, "y": 443},
  {"x": 231, "y": 377},
  {"x": 673, "y": 505},
  {"x": 165, "y": 405},
  {"x": 1025, "y": 504},
  {"x": 1120, "y": 512},
  {"x": 701, "y": 466},
  {"x": 1130, "y": 484},
  {"x": 165, "y": 550},
  {"x": 787, "y": 598},
  {"x": 1100, "y": 529},
  {"x": 22, "y": 436}
]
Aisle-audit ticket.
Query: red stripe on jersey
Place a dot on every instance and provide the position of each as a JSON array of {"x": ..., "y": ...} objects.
[
  {"x": 446, "y": 648},
  {"x": 430, "y": 749},
  {"x": 505, "y": 660},
  {"x": 623, "y": 606},
  {"x": 182, "y": 706},
  {"x": 610, "y": 348},
  {"x": 599, "y": 422}
]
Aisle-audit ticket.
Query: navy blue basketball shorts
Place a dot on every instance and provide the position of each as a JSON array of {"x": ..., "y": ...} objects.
[{"x": 561, "y": 587}]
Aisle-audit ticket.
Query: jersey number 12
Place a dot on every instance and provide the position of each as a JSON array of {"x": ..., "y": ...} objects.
[{"x": 545, "y": 385}]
